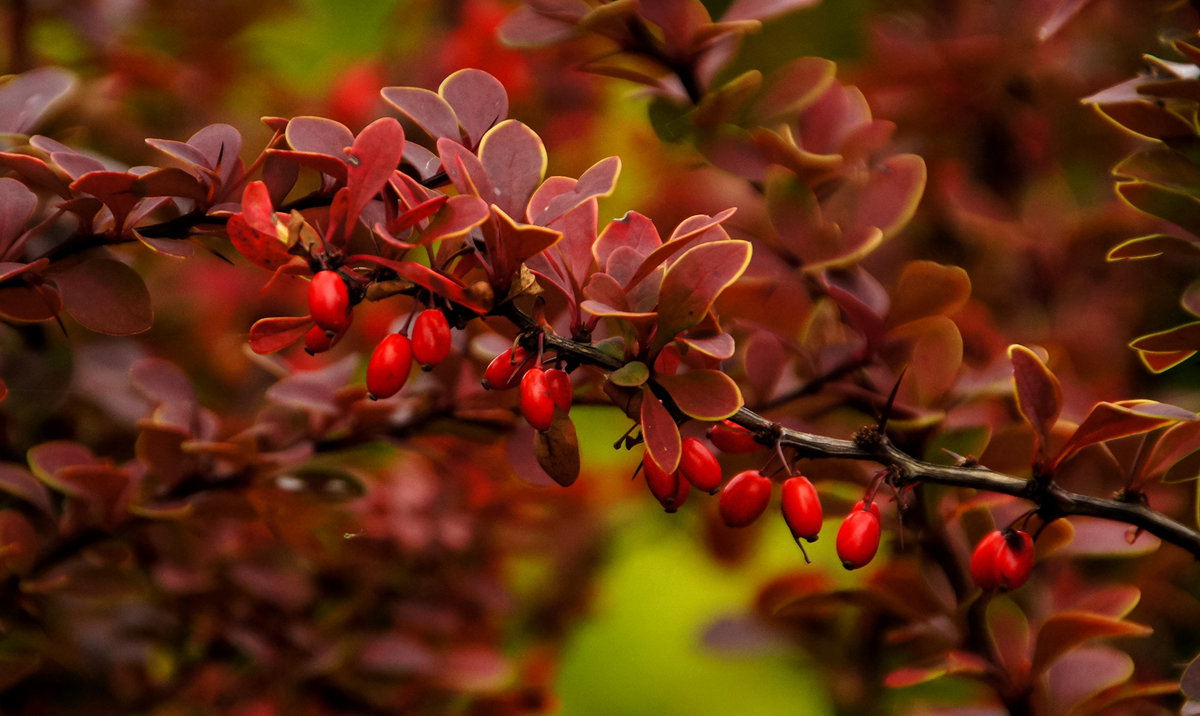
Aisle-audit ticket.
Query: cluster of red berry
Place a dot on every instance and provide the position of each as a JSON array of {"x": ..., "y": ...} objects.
[
  {"x": 329, "y": 303},
  {"x": 747, "y": 494},
  {"x": 542, "y": 391}
]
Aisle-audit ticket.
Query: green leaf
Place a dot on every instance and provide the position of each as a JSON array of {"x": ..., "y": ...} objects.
[
  {"x": 630, "y": 375},
  {"x": 1180, "y": 209},
  {"x": 703, "y": 394},
  {"x": 693, "y": 282}
]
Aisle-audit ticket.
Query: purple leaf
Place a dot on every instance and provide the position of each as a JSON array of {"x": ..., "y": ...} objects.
[
  {"x": 599, "y": 180},
  {"x": 550, "y": 22},
  {"x": 18, "y": 482},
  {"x": 514, "y": 159},
  {"x": 465, "y": 170},
  {"x": 478, "y": 100},
  {"x": 162, "y": 381},
  {"x": 104, "y": 295},
  {"x": 317, "y": 135},
  {"x": 428, "y": 109},
  {"x": 17, "y": 204},
  {"x": 26, "y": 98},
  {"x": 36, "y": 173}
]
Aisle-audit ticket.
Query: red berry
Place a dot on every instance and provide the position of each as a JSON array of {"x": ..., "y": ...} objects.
[
  {"x": 744, "y": 498},
  {"x": 699, "y": 467},
  {"x": 801, "y": 508},
  {"x": 329, "y": 302},
  {"x": 430, "y": 338},
  {"x": 536, "y": 404},
  {"x": 1014, "y": 559},
  {"x": 858, "y": 537},
  {"x": 390, "y": 363},
  {"x": 505, "y": 370},
  {"x": 730, "y": 437},
  {"x": 561, "y": 390},
  {"x": 983, "y": 560},
  {"x": 318, "y": 341},
  {"x": 667, "y": 488}
]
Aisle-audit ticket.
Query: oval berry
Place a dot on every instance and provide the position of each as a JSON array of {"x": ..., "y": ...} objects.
[
  {"x": 1014, "y": 559},
  {"x": 699, "y": 467},
  {"x": 318, "y": 341},
  {"x": 744, "y": 498},
  {"x": 983, "y": 560},
  {"x": 561, "y": 390},
  {"x": 730, "y": 437},
  {"x": 858, "y": 537},
  {"x": 667, "y": 487},
  {"x": 329, "y": 302},
  {"x": 389, "y": 366},
  {"x": 505, "y": 370},
  {"x": 536, "y": 404},
  {"x": 802, "y": 508},
  {"x": 430, "y": 338}
]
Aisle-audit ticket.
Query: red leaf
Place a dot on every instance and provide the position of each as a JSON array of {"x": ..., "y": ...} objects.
[
  {"x": 479, "y": 101},
  {"x": 275, "y": 333},
  {"x": 36, "y": 173},
  {"x": 1145, "y": 247},
  {"x": 1064, "y": 631},
  {"x": 18, "y": 482},
  {"x": 170, "y": 182},
  {"x": 459, "y": 215},
  {"x": 660, "y": 432},
  {"x": 1039, "y": 396},
  {"x": 104, "y": 295},
  {"x": 708, "y": 395},
  {"x": 48, "y": 458},
  {"x": 1108, "y": 421},
  {"x": 374, "y": 156},
  {"x": 633, "y": 231},
  {"x": 689, "y": 230},
  {"x": 955, "y": 663},
  {"x": 518, "y": 242},
  {"x": 263, "y": 250},
  {"x": 926, "y": 288},
  {"x": 693, "y": 282},
  {"x": 514, "y": 159},
  {"x": 445, "y": 286},
  {"x": 112, "y": 188}
]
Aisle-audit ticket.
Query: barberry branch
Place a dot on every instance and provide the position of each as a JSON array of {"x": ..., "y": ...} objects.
[{"x": 1051, "y": 500}]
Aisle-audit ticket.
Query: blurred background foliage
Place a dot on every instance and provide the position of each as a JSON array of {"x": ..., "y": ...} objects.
[{"x": 1019, "y": 195}]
